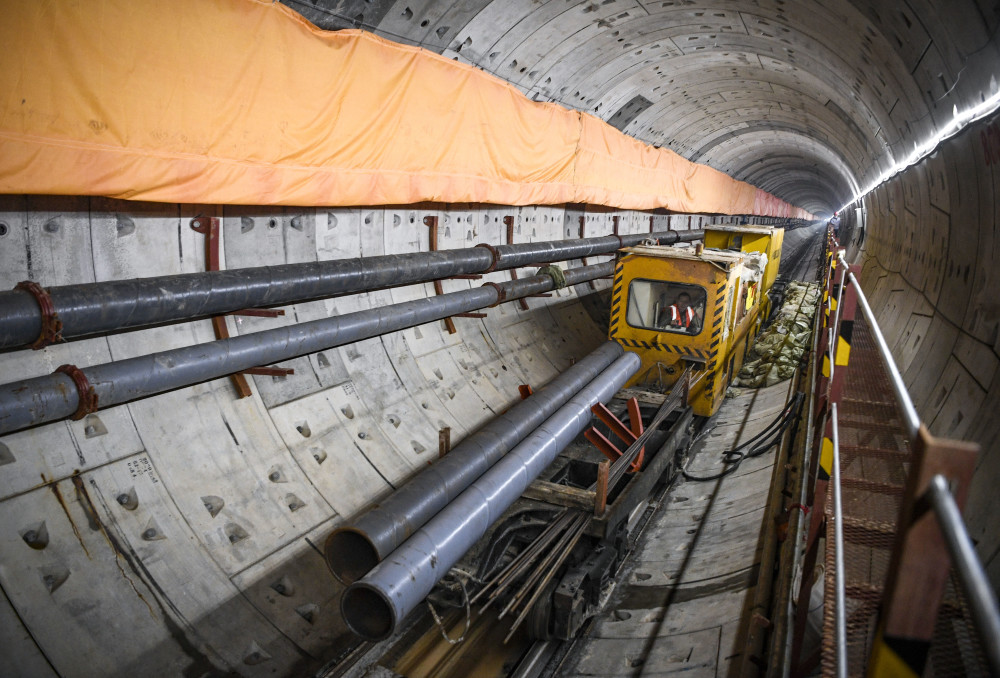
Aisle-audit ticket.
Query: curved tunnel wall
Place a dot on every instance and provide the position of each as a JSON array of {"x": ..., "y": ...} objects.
[
  {"x": 180, "y": 531},
  {"x": 928, "y": 242},
  {"x": 205, "y": 564}
]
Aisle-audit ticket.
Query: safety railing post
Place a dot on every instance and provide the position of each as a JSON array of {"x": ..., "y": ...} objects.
[
  {"x": 930, "y": 538},
  {"x": 920, "y": 563},
  {"x": 830, "y": 355},
  {"x": 979, "y": 594},
  {"x": 839, "y": 317}
]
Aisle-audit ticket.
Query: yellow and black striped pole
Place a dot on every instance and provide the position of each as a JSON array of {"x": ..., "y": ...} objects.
[
  {"x": 844, "y": 335},
  {"x": 616, "y": 301},
  {"x": 831, "y": 378}
]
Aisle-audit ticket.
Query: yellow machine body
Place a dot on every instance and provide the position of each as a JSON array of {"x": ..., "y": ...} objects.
[
  {"x": 726, "y": 291},
  {"x": 750, "y": 239}
]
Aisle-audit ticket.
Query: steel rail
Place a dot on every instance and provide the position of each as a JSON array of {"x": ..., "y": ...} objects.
[
  {"x": 520, "y": 563},
  {"x": 975, "y": 585},
  {"x": 565, "y": 548},
  {"x": 354, "y": 549},
  {"x": 98, "y": 308},
  {"x": 72, "y": 392},
  {"x": 374, "y": 606},
  {"x": 911, "y": 419}
]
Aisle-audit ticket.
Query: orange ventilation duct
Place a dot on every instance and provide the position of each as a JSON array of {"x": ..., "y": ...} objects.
[{"x": 245, "y": 102}]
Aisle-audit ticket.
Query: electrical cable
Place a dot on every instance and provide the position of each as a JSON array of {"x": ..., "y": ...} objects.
[{"x": 771, "y": 434}]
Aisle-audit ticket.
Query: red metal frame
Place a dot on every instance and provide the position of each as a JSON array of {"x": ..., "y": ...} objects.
[
  {"x": 509, "y": 223},
  {"x": 209, "y": 227},
  {"x": 628, "y": 434},
  {"x": 432, "y": 223},
  {"x": 583, "y": 231}
]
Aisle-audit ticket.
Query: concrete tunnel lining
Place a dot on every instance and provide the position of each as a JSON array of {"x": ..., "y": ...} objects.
[{"x": 207, "y": 594}]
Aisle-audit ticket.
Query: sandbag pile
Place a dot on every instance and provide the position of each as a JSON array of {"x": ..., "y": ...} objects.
[{"x": 779, "y": 349}]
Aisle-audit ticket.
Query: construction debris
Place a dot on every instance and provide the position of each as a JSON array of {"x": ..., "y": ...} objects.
[{"x": 779, "y": 349}]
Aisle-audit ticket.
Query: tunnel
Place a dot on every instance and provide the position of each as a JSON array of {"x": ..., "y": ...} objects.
[{"x": 181, "y": 532}]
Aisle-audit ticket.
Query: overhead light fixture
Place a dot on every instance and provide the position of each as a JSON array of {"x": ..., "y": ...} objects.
[{"x": 958, "y": 122}]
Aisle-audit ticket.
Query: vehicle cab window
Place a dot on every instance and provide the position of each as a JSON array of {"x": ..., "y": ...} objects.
[{"x": 664, "y": 306}]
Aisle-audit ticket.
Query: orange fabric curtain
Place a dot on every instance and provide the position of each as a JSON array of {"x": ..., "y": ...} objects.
[{"x": 245, "y": 102}]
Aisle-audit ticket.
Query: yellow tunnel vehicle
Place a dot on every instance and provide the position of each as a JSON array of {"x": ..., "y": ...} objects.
[{"x": 700, "y": 306}]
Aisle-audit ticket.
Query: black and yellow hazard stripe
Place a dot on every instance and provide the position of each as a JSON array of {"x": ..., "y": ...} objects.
[
  {"x": 616, "y": 299},
  {"x": 667, "y": 348},
  {"x": 713, "y": 347},
  {"x": 826, "y": 456},
  {"x": 720, "y": 306},
  {"x": 710, "y": 367},
  {"x": 830, "y": 302},
  {"x": 843, "y": 352}
]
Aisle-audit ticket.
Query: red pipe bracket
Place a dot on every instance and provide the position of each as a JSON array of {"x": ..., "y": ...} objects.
[
  {"x": 87, "y": 396},
  {"x": 51, "y": 324}
]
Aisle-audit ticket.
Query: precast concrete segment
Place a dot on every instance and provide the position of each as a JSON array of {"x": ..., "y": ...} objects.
[
  {"x": 57, "y": 396},
  {"x": 352, "y": 551},
  {"x": 93, "y": 308},
  {"x": 374, "y": 606}
]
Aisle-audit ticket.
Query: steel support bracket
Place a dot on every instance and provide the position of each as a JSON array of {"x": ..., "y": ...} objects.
[
  {"x": 209, "y": 227},
  {"x": 432, "y": 223}
]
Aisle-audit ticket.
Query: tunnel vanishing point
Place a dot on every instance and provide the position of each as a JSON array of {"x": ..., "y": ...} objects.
[{"x": 386, "y": 160}]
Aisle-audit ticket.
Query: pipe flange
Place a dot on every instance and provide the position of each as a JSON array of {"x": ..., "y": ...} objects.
[
  {"x": 496, "y": 256},
  {"x": 51, "y": 324},
  {"x": 86, "y": 395},
  {"x": 501, "y": 293}
]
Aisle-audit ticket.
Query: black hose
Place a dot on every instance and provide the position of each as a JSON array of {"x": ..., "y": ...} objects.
[{"x": 771, "y": 435}]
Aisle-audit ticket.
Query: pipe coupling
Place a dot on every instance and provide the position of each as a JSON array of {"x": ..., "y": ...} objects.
[
  {"x": 495, "y": 254},
  {"x": 501, "y": 292},
  {"x": 86, "y": 395},
  {"x": 51, "y": 324}
]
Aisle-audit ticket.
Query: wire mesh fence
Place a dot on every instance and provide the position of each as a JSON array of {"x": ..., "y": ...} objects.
[{"x": 874, "y": 462}]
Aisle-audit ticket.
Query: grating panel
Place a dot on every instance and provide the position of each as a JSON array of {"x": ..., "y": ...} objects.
[{"x": 875, "y": 457}]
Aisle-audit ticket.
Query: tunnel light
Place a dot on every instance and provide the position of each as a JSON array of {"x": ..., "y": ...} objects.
[{"x": 958, "y": 122}]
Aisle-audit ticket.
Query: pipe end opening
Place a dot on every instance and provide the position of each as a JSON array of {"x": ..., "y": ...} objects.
[
  {"x": 367, "y": 612},
  {"x": 350, "y": 555}
]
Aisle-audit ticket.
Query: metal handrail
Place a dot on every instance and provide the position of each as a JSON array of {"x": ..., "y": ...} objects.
[
  {"x": 971, "y": 576},
  {"x": 982, "y": 601},
  {"x": 840, "y": 581},
  {"x": 910, "y": 416}
]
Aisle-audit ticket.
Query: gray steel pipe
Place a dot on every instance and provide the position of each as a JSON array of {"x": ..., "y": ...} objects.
[
  {"x": 57, "y": 396},
  {"x": 353, "y": 550},
  {"x": 93, "y": 308},
  {"x": 513, "y": 256},
  {"x": 374, "y": 606}
]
